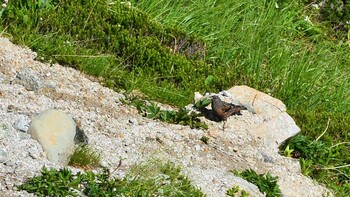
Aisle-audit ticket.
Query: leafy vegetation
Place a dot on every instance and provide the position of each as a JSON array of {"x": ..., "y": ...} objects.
[
  {"x": 182, "y": 116},
  {"x": 285, "y": 55},
  {"x": 205, "y": 139},
  {"x": 144, "y": 180},
  {"x": 235, "y": 191},
  {"x": 265, "y": 182},
  {"x": 323, "y": 149},
  {"x": 202, "y": 103}
]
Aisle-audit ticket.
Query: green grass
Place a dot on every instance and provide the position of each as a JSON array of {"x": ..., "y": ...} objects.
[
  {"x": 274, "y": 50},
  {"x": 148, "y": 179},
  {"x": 169, "y": 49},
  {"x": 85, "y": 157}
]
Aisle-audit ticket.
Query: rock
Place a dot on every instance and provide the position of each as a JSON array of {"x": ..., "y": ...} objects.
[
  {"x": 80, "y": 137},
  {"x": 5, "y": 132},
  {"x": 271, "y": 123},
  {"x": 232, "y": 98},
  {"x": 133, "y": 121},
  {"x": 22, "y": 123},
  {"x": 1, "y": 77},
  {"x": 55, "y": 131},
  {"x": 213, "y": 133},
  {"x": 3, "y": 155},
  {"x": 197, "y": 96},
  {"x": 29, "y": 79},
  {"x": 215, "y": 181},
  {"x": 262, "y": 103},
  {"x": 266, "y": 158}
]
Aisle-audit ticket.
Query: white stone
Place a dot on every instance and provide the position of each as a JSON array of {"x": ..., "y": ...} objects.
[
  {"x": 22, "y": 124},
  {"x": 271, "y": 123},
  {"x": 55, "y": 131}
]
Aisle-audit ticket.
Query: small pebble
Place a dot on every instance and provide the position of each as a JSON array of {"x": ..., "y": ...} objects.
[{"x": 22, "y": 124}]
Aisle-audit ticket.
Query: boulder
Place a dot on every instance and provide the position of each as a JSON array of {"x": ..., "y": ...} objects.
[
  {"x": 55, "y": 131},
  {"x": 271, "y": 123}
]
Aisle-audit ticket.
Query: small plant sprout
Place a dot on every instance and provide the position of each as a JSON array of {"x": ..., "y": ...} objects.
[
  {"x": 288, "y": 151},
  {"x": 205, "y": 139},
  {"x": 203, "y": 102},
  {"x": 234, "y": 192}
]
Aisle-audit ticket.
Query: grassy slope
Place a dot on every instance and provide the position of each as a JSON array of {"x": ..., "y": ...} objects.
[
  {"x": 274, "y": 50},
  {"x": 279, "y": 52},
  {"x": 248, "y": 42}
]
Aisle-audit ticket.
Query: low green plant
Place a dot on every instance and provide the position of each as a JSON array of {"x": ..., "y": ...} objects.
[
  {"x": 265, "y": 182},
  {"x": 209, "y": 82},
  {"x": 182, "y": 116},
  {"x": 143, "y": 180},
  {"x": 320, "y": 160},
  {"x": 205, "y": 139},
  {"x": 244, "y": 193},
  {"x": 288, "y": 151},
  {"x": 234, "y": 191},
  {"x": 153, "y": 111},
  {"x": 53, "y": 183},
  {"x": 85, "y": 157},
  {"x": 201, "y": 103},
  {"x": 307, "y": 166},
  {"x": 336, "y": 13},
  {"x": 323, "y": 148}
]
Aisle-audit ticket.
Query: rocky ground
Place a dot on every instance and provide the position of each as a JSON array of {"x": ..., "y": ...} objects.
[{"x": 28, "y": 87}]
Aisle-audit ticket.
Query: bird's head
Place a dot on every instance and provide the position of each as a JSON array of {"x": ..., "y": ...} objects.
[{"x": 215, "y": 97}]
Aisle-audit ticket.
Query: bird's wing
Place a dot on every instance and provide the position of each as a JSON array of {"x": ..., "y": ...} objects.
[{"x": 226, "y": 107}]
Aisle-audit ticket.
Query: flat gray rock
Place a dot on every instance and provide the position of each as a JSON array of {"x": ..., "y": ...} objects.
[{"x": 29, "y": 79}]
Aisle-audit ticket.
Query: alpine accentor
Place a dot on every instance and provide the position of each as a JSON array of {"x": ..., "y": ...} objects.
[{"x": 223, "y": 110}]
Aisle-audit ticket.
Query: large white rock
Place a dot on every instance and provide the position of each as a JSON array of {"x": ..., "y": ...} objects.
[
  {"x": 271, "y": 123},
  {"x": 55, "y": 131}
]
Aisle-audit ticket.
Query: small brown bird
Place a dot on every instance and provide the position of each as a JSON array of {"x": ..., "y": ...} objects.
[{"x": 223, "y": 110}]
